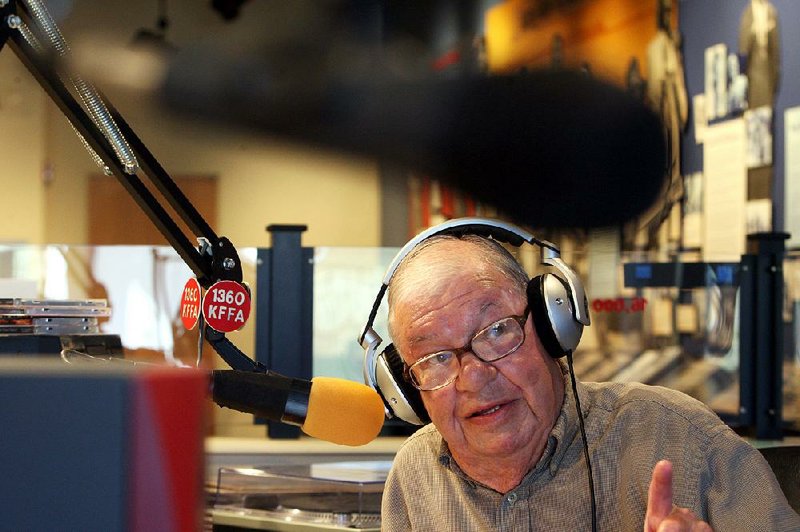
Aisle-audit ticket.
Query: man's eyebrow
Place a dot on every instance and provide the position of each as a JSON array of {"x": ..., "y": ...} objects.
[
  {"x": 486, "y": 306},
  {"x": 418, "y": 339},
  {"x": 424, "y": 337}
]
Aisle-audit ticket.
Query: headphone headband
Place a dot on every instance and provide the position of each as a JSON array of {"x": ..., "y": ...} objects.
[{"x": 497, "y": 229}]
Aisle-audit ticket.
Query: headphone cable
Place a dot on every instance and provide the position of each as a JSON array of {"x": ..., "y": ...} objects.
[
  {"x": 374, "y": 312},
  {"x": 585, "y": 444}
]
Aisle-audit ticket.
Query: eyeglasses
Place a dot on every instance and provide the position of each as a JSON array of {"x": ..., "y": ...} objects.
[{"x": 490, "y": 344}]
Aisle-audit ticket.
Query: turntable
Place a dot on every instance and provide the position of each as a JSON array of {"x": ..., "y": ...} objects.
[{"x": 292, "y": 498}]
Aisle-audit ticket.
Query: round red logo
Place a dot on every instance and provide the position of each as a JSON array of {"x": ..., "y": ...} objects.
[
  {"x": 226, "y": 306},
  {"x": 190, "y": 304}
]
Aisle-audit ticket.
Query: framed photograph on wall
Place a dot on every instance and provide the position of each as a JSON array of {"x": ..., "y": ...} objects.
[
  {"x": 759, "y": 136},
  {"x": 716, "y": 81}
]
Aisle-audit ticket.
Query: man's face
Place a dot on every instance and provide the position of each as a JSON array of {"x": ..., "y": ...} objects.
[{"x": 506, "y": 408}]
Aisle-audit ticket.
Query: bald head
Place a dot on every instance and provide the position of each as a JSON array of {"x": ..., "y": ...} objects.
[{"x": 427, "y": 270}]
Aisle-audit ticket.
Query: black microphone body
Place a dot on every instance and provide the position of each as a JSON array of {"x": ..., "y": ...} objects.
[{"x": 267, "y": 395}]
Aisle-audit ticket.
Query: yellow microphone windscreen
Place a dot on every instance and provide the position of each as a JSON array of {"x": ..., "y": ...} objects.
[{"x": 343, "y": 412}]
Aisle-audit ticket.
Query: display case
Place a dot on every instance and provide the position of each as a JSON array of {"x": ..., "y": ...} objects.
[{"x": 323, "y": 496}]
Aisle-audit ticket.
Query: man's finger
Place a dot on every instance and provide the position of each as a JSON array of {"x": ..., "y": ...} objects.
[
  {"x": 683, "y": 519},
  {"x": 659, "y": 496}
]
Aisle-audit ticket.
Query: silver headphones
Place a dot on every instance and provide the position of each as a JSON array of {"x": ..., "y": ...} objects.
[{"x": 558, "y": 306}]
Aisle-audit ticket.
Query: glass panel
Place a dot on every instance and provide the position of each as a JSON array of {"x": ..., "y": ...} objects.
[
  {"x": 791, "y": 341},
  {"x": 682, "y": 338},
  {"x": 142, "y": 284},
  {"x": 346, "y": 283}
]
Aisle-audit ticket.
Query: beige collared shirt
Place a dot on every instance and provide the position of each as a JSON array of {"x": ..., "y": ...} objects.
[{"x": 630, "y": 427}]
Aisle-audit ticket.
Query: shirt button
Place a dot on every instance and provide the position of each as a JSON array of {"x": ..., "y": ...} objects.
[{"x": 511, "y": 498}]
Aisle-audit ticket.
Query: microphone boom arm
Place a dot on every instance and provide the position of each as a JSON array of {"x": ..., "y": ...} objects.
[{"x": 215, "y": 258}]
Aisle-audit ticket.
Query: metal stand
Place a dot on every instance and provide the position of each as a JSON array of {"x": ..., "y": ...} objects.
[
  {"x": 761, "y": 335},
  {"x": 284, "y": 309}
]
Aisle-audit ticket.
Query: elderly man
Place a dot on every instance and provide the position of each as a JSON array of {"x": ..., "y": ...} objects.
[{"x": 504, "y": 449}]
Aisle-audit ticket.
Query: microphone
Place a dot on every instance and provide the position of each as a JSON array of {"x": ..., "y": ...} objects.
[
  {"x": 548, "y": 148},
  {"x": 335, "y": 410}
]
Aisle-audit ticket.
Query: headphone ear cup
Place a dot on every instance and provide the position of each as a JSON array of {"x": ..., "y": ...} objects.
[
  {"x": 399, "y": 395},
  {"x": 551, "y": 308}
]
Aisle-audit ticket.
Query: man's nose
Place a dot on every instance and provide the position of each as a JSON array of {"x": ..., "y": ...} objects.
[{"x": 474, "y": 373}]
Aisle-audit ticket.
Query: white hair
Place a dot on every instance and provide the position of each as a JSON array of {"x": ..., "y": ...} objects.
[{"x": 425, "y": 269}]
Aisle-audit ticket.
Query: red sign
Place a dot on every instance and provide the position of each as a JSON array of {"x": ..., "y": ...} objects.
[
  {"x": 226, "y": 306},
  {"x": 620, "y": 304},
  {"x": 190, "y": 304}
]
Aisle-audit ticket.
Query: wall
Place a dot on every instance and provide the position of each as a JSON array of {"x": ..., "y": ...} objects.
[
  {"x": 261, "y": 180},
  {"x": 707, "y": 22},
  {"x": 22, "y": 147}
]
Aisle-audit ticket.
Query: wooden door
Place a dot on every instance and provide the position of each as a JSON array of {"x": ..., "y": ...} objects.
[{"x": 115, "y": 218}]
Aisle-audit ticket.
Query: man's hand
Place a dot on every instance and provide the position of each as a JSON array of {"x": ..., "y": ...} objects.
[{"x": 662, "y": 515}]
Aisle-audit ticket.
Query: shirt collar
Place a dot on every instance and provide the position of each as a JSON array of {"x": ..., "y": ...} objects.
[{"x": 567, "y": 426}]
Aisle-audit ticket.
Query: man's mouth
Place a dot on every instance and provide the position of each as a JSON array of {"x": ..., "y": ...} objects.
[{"x": 486, "y": 411}]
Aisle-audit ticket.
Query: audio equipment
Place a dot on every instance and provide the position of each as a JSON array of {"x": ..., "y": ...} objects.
[
  {"x": 558, "y": 306},
  {"x": 326, "y": 408},
  {"x": 552, "y": 137}
]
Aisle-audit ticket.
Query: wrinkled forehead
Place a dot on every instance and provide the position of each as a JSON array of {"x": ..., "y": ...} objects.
[
  {"x": 449, "y": 311},
  {"x": 436, "y": 264},
  {"x": 469, "y": 282},
  {"x": 451, "y": 268}
]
